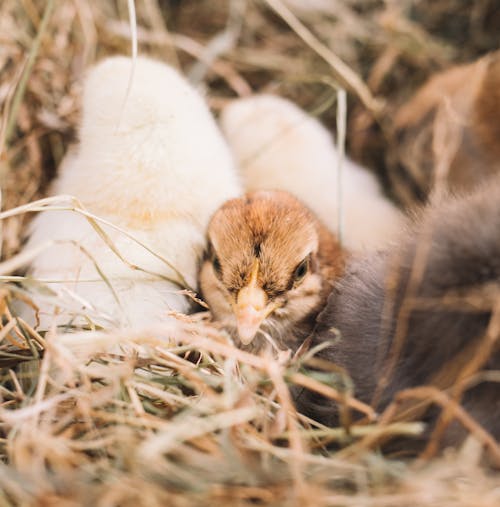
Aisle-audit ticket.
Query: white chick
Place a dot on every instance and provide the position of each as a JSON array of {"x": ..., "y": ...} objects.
[
  {"x": 279, "y": 146},
  {"x": 152, "y": 161}
]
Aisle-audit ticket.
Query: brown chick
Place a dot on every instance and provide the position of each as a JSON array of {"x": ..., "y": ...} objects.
[{"x": 268, "y": 269}]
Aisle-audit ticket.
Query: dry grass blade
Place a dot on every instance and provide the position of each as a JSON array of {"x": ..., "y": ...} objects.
[
  {"x": 342, "y": 71},
  {"x": 330, "y": 392},
  {"x": 222, "y": 43},
  {"x": 133, "y": 41},
  {"x": 341, "y": 136},
  {"x": 30, "y": 61},
  {"x": 175, "y": 414},
  {"x": 52, "y": 204}
]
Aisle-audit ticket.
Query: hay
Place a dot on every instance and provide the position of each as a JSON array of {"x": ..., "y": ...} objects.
[{"x": 175, "y": 415}]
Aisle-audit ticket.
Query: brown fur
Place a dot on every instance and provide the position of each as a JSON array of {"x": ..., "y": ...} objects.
[
  {"x": 423, "y": 314},
  {"x": 280, "y": 231},
  {"x": 448, "y": 132}
]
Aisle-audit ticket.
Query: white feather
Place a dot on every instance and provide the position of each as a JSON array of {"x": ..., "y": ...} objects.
[
  {"x": 279, "y": 146},
  {"x": 152, "y": 162}
]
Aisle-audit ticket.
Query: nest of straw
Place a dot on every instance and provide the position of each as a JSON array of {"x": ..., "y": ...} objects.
[{"x": 176, "y": 415}]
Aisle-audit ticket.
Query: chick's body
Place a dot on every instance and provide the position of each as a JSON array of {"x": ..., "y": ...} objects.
[
  {"x": 268, "y": 269},
  {"x": 422, "y": 313},
  {"x": 278, "y": 146},
  {"x": 152, "y": 161}
]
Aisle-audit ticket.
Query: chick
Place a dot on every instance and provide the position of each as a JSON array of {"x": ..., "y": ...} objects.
[
  {"x": 447, "y": 133},
  {"x": 152, "y": 161},
  {"x": 268, "y": 269},
  {"x": 422, "y": 313},
  {"x": 280, "y": 147}
]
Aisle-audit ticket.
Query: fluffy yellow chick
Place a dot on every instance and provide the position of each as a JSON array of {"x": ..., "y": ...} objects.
[
  {"x": 152, "y": 161},
  {"x": 279, "y": 146}
]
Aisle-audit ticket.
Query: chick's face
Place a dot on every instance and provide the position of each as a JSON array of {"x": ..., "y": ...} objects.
[{"x": 260, "y": 275}]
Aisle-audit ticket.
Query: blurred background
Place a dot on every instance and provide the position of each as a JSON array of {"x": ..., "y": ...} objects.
[{"x": 229, "y": 48}]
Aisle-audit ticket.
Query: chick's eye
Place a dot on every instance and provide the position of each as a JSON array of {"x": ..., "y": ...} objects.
[
  {"x": 216, "y": 265},
  {"x": 212, "y": 257},
  {"x": 301, "y": 270}
]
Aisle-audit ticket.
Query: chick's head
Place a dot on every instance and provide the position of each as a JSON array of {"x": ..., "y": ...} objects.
[{"x": 268, "y": 269}]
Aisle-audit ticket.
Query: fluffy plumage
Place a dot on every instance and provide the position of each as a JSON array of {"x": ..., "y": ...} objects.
[
  {"x": 279, "y": 146},
  {"x": 268, "y": 269},
  {"x": 422, "y": 313},
  {"x": 152, "y": 162}
]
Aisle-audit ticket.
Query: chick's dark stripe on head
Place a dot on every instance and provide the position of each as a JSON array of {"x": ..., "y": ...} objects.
[{"x": 268, "y": 269}]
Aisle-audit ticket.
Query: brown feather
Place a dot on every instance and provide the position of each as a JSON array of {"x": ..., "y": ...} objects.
[
  {"x": 427, "y": 312},
  {"x": 278, "y": 230}
]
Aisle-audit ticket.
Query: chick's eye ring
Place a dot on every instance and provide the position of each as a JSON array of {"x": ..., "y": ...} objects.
[{"x": 301, "y": 270}]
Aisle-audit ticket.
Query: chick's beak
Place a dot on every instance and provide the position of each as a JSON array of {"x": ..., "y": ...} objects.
[{"x": 251, "y": 308}]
